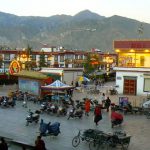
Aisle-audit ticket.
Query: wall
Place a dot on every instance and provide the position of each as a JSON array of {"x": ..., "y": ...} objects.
[{"x": 70, "y": 76}]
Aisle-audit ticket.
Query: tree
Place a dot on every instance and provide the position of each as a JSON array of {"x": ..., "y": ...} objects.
[
  {"x": 42, "y": 62},
  {"x": 28, "y": 52},
  {"x": 91, "y": 63}
]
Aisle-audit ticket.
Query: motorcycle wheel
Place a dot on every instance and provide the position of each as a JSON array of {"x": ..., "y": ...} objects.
[
  {"x": 27, "y": 123},
  {"x": 68, "y": 117},
  {"x": 36, "y": 121}
]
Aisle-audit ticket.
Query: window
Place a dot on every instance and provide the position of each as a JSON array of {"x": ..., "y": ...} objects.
[
  {"x": 33, "y": 57},
  {"x": 6, "y": 56},
  {"x": 69, "y": 56},
  {"x": 76, "y": 56},
  {"x": 56, "y": 58},
  {"x": 80, "y": 56},
  {"x": 62, "y": 58},
  {"x": 142, "y": 60},
  {"x": 146, "y": 84}
]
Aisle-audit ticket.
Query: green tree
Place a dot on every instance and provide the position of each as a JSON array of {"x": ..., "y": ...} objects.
[
  {"x": 28, "y": 52},
  {"x": 89, "y": 67},
  {"x": 28, "y": 63},
  {"x": 42, "y": 62}
]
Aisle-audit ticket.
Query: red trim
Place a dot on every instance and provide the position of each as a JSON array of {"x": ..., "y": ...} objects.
[{"x": 132, "y": 44}]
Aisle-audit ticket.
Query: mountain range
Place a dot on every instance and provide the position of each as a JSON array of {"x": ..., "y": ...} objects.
[{"x": 83, "y": 31}]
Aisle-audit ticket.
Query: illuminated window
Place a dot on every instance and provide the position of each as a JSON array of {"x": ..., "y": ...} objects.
[{"x": 142, "y": 60}]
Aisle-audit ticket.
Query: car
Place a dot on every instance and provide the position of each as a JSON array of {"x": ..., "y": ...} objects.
[{"x": 146, "y": 104}]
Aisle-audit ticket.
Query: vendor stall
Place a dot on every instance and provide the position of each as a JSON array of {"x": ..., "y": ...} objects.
[{"x": 31, "y": 81}]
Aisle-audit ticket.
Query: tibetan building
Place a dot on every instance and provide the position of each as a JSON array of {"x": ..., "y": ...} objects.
[{"x": 133, "y": 69}]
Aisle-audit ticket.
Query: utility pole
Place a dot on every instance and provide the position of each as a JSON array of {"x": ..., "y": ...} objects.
[{"x": 140, "y": 30}]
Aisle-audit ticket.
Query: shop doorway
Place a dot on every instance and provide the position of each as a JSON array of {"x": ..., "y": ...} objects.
[{"x": 130, "y": 85}]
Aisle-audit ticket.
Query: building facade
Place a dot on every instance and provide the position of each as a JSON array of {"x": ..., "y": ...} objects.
[
  {"x": 133, "y": 70},
  {"x": 54, "y": 58}
]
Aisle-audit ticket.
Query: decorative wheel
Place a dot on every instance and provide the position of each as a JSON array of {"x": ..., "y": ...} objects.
[{"x": 75, "y": 141}]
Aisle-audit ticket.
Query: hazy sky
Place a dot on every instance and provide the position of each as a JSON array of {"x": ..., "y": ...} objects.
[{"x": 136, "y": 9}]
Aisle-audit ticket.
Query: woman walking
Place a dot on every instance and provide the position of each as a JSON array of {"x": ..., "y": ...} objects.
[
  {"x": 87, "y": 107},
  {"x": 97, "y": 114}
]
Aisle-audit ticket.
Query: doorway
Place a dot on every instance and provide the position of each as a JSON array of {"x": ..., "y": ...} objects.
[{"x": 130, "y": 85}]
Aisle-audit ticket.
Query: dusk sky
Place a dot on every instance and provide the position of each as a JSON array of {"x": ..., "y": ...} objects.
[{"x": 135, "y": 9}]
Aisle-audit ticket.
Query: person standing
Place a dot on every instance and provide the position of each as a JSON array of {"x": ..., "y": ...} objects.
[
  {"x": 3, "y": 144},
  {"x": 25, "y": 100},
  {"x": 107, "y": 103},
  {"x": 97, "y": 114},
  {"x": 39, "y": 144},
  {"x": 87, "y": 107},
  {"x": 103, "y": 99}
]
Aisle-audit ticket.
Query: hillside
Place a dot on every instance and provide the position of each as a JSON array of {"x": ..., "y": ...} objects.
[{"x": 85, "y": 30}]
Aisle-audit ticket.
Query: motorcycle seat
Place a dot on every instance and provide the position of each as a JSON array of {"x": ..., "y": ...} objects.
[{"x": 35, "y": 115}]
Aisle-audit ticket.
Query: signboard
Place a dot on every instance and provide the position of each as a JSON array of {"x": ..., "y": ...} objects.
[
  {"x": 123, "y": 101},
  {"x": 14, "y": 67},
  {"x": 29, "y": 86}
]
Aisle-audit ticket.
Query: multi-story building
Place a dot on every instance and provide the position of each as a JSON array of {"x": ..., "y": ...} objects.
[
  {"x": 133, "y": 70},
  {"x": 57, "y": 58}
]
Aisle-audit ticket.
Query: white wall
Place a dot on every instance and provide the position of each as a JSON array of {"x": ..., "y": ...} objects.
[
  {"x": 70, "y": 76},
  {"x": 140, "y": 81}
]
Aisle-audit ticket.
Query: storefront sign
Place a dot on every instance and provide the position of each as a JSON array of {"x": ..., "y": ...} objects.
[{"x": 14, "y": 67}]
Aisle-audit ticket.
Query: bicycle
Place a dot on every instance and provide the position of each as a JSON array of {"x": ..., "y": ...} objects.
[{"x": 87, "y": 136}]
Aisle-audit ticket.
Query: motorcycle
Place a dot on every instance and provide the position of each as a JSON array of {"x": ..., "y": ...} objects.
[
  {"x": 73, "y": 113},
  {"x": 44, "y": 106},
  {"x": 32, "y": 117},
  {"x": 48, "y": 129},
  {"x": 61, "y": 111}
]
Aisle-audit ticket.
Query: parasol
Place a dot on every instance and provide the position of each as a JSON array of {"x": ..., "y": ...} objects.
[
  {"x": 57, "y": 85},
  {"x": 82, "y": 78}
]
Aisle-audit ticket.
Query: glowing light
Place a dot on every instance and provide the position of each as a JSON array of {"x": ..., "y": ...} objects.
[
  {"x": 117, "y": 50},
  {"x": 132, "y": 50},
  {"x": 146, "y": 50}
]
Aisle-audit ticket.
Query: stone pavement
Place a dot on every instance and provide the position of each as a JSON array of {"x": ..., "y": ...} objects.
[{"x": 12, "y": 124}]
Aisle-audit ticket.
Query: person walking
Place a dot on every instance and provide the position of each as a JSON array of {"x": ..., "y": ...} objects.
[
  {"x": 87, "y": 107},
  {"x": 116, "y": 118},
  {"x": 97, "y": 114},
  {"x": 107, "y": 103},
  {"x": 39, "y": 144},
  {"x": 3, "y": 144}
]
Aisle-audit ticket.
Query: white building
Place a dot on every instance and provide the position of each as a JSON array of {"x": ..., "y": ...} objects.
[{"x": 133, "y": 70}]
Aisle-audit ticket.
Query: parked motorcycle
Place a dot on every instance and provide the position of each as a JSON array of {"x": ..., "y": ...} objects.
[
  {"x": 44, "y": 106},
  {"x": 48, "y": 129},
  {"x": 32, "y": 117},
  {"x": 75, "y": 113},
  {"x": 61, "y": 111}
]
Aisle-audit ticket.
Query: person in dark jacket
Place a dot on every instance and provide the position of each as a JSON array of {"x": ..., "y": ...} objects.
[
  {"x": 39, "y": 144},
  {"x": 3, "y": 144},
  {"x": 107, "y": 103},
  {"x": 97, "y": 114}
]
